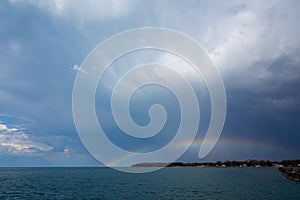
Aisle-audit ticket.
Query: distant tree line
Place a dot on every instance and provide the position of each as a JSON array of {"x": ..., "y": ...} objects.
[{"x": 227, "y": 163}]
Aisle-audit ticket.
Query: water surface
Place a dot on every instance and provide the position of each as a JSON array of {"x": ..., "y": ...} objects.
[{"x": 168, "y": 183}]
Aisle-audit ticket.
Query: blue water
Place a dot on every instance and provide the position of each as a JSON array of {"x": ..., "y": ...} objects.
[{"x": 169, "y": 183}]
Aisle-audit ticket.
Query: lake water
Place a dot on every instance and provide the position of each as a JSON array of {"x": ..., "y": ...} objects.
[{"x": 169, "y": 183}]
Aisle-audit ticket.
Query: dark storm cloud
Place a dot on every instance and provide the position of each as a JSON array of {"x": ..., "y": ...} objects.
[{"x": 270, "y": 110}]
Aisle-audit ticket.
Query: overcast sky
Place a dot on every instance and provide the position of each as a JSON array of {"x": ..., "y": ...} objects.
[{"x": 254, "y": 44}]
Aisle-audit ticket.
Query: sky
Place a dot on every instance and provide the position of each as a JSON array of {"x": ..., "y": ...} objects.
[{"x": 254, "y": 44}]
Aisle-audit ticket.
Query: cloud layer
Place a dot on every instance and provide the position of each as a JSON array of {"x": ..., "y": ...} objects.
[
  {"x": 89, "y": 10},
  {"x": 255, "y": 45}
]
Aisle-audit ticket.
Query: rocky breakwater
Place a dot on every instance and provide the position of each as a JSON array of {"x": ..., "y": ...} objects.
[{"x": 291, "y": 173}]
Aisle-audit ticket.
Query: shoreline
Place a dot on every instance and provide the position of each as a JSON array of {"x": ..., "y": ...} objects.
[
  {"x": 246, "y": 163},
  {"x": 290, "y": 169}
]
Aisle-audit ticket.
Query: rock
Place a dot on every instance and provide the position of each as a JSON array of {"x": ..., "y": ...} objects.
[{"x": 291, "y": 173}]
